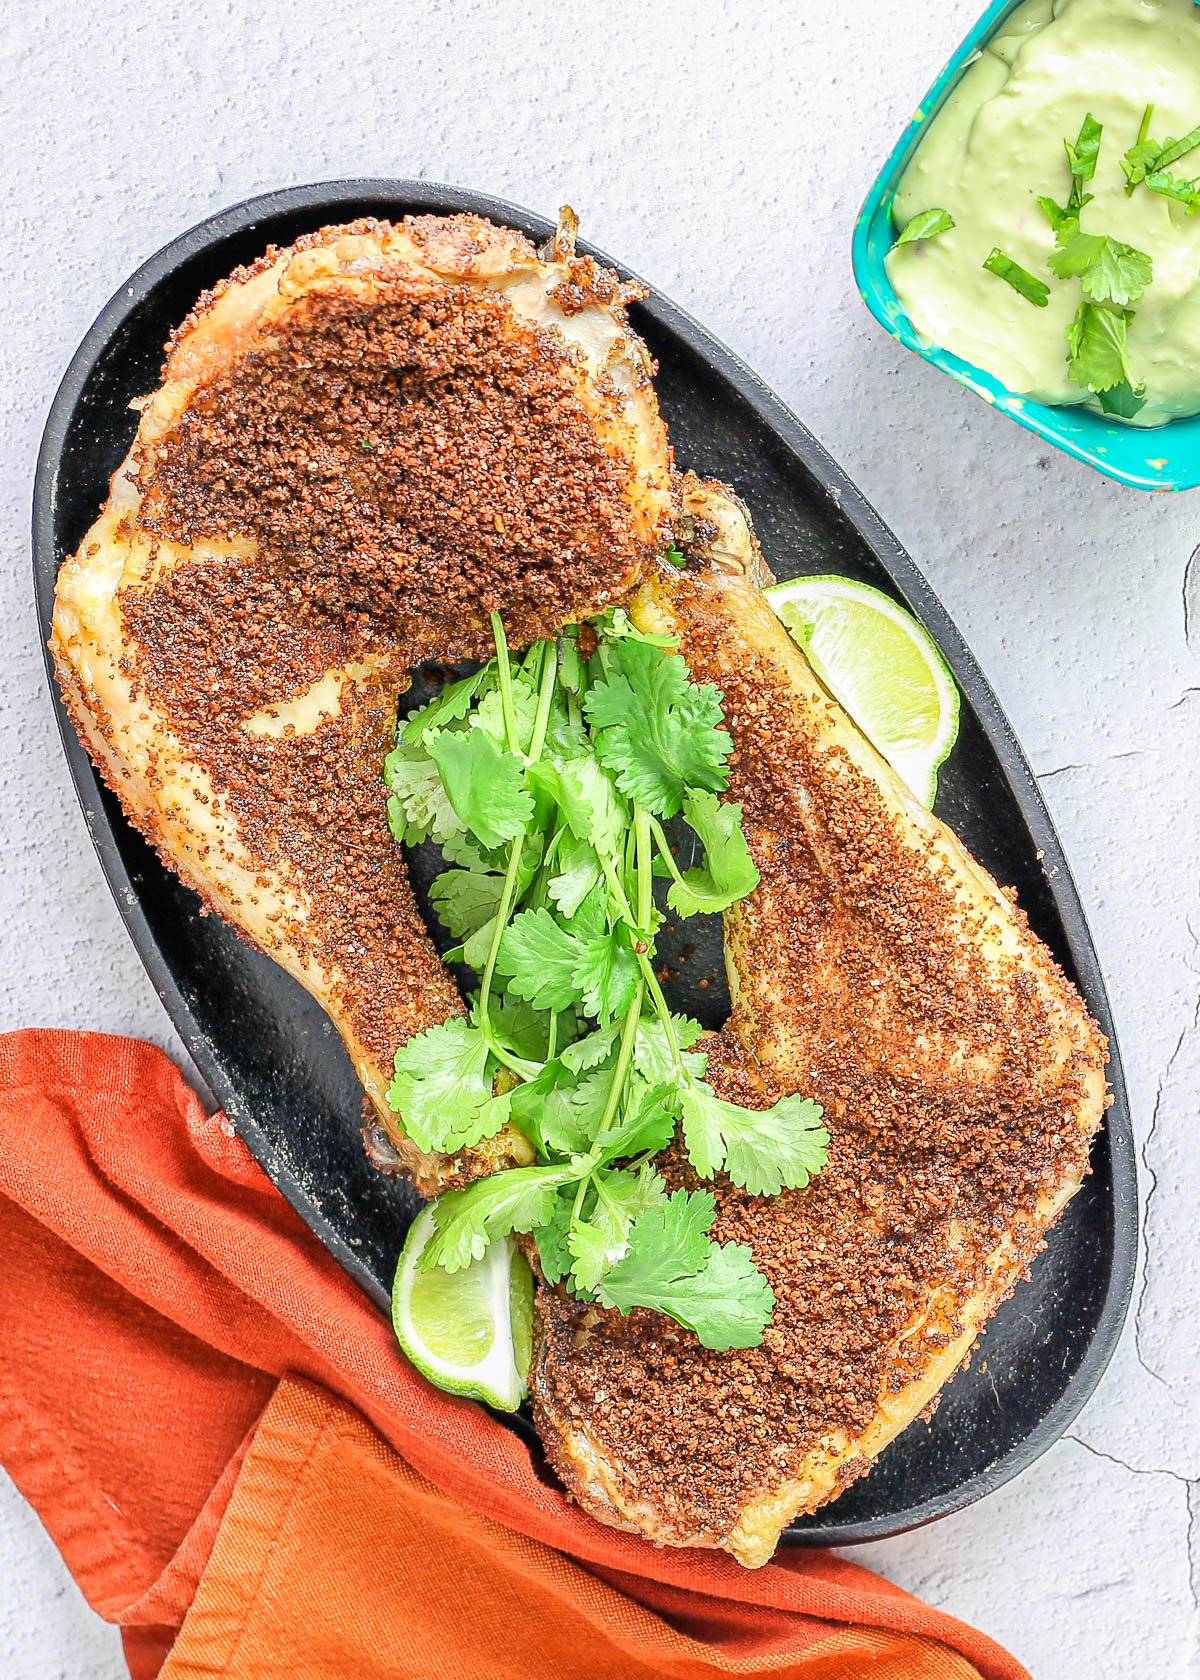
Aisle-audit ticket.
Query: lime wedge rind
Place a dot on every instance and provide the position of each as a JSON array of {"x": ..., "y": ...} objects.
[
  {"x": 458, "y": 1328},
  {"x": 882, "y": 665}
]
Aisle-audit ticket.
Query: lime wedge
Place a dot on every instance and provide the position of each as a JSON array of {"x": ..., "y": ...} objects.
[
  {"x": 882, "y": 666},
  {"x": 469, "y": 1332}
]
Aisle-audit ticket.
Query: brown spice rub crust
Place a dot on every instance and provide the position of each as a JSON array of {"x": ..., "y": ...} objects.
[
  {"x": 418, "y": 455},
  {"x": 404, "y": 457},
  {"x": 946, "y": 1117},
  {"x": 311, "y": 808}
]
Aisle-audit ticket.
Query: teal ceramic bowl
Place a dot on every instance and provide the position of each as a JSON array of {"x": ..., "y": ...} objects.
[{"x": 1163, "y": 457}]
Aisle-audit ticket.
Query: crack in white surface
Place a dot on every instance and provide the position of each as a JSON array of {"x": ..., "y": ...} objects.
[
  {"x": 1094, "y": 764},
  {"x": 1191, "y": 597},
  {"x": 1191, "y": 1486},
  {"x": 1151, "y": 1190}
]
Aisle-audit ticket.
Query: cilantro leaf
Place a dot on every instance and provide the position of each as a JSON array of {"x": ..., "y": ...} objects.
[
  {"x": 648, "y": 1124},
  {"x": 484, "y": 784},
  {"x": 670, "y": 1266},
  {"x": 1140, "y": 161},
  {"x": 616, "y": 623},
  {"x": 554, "y": 964},
  {"x": 652, "y": 1053},
  {"x": 587, "y": 796},
  {"x": 578, "y": 872},
  {"x": 418, "y": 808},
  {"x": 1161, "y": 181},
  {"x": 1148, "y": 163},
  {"x": 489, "y": 714},
  {"x": 1064, "y": 222},
  {"x": 459, "y": 848},
  {"x": 476, "y": 945},
  {"x": 1121, "y": 400},
  {"x": 656, "y": 730},
  {"x": 1098, "y": 342},
  {"x": 572, "y": 1109},
  {"x": 1142, "y": 156},
  {"x": 519, "y": 1026},
  {"x": 528, "y": 1108},
  {"x": 607, "y": 975},
  {"x": 467, "y": 1221},
  {"x": 553, "y": 1254},
  {"x": 763, "y": 1150},
  {"x": 677, "y": 1232},
  {"x": 465, "y": 899},
  {"x": 597, "y": 1243},
  {"x": 926, "y": 224},
  {"x": 589, "y": 1052},
  {"x": 1108, "y": 270},
  {"x": 565, "y": 738},
  {"x": 452, "y": 703},
  {"x": 1035, "y": 291},
  {"x": 442, "y": 1089},
  {"x": 729, "y": 872},
  {"x": 1083, "y": 154},
  {"x": 1173, "y": 150},
  {"x": 728, "y": 1304},
  {"x": 539, "y": 956}
]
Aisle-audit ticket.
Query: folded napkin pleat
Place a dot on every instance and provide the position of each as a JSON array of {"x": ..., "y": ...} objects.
[{"x": 241, "y": 1471}]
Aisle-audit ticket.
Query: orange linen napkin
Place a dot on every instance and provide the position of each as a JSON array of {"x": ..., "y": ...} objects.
[{"x": 242, "y": 1471}]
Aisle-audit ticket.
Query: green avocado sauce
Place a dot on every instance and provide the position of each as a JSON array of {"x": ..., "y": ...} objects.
[{"x": 997, "y": 146}]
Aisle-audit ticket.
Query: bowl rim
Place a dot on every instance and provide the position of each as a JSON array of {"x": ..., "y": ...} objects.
[
  {"x": 1044, "y": 420},
  {"x": 424, "y": 197}
]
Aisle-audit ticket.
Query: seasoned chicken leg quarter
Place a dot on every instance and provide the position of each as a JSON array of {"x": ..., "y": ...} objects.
[
  {"x": 880, "y": 970},
  {"x": 362, "y": 445}
]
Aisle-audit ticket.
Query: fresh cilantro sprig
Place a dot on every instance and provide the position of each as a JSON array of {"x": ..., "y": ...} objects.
[
  {"x": 546, "y": 781},
  {"x": 1098, "y": 341},
  {"x": 1147, "y": 163},
  {"x": 1111, "y": 274},
  {"x": 1108, "y": 270},
  {"x": 656, "y": 730},
  {"x": 1084, "y": 154}
]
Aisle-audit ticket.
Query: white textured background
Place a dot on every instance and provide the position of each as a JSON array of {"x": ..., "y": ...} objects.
[{"x": 722, "y": 152}]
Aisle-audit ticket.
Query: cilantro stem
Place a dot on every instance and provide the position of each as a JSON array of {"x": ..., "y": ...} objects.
[
  {"x": 663, "y": 846},
  {"x": 617, "y": 889},
  {"x": 527, "y": 1070},
  {"x": 661, "y": 1007},
  {"x": 645, "y": 862},
  {"x": 624, "y": 1056},
  {"x": 549, "y": 672},
  {"x": 504, "y": 673},
  {"x": 603, "y": 1196},
  {"x": 663, "y": 1010},
  {"x": 546, "y": 682}
]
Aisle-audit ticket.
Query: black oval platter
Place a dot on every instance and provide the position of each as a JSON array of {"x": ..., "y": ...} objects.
[{"x": 274, "y": 1062}]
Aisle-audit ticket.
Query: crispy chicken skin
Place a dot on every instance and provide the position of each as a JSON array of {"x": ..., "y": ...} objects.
[
  {"x": 880, "y": 970},
  {"x": 362, "y": 445}
]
